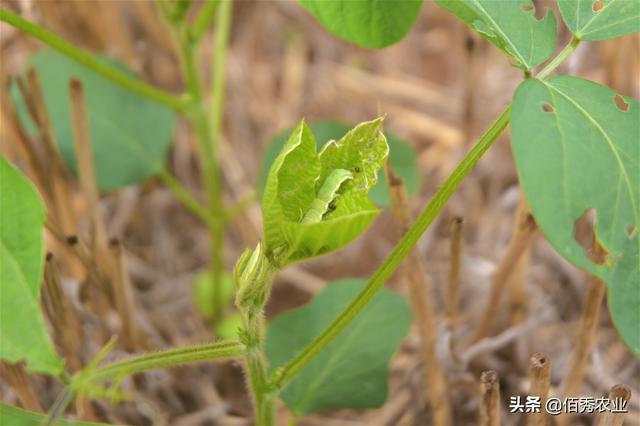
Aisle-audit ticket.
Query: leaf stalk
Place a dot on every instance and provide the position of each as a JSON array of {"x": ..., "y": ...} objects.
[
  {"x": 560, "y": 58},
  {"x": 169, "y": 358}
]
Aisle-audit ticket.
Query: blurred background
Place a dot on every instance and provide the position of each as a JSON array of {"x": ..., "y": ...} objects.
[{"x": 440, "y": 88}]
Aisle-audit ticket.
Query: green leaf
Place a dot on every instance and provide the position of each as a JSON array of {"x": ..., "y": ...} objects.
[
  {"x": 15, "y": 416},
  {"x": 204, "y": 294},
  {"x": 511, "y": 26},
  {"x": 402, "y": 158},
  {"x": 595, "y": 20},
  {"x": 352, "y": 371},
  {"x": 23, "y": 335},
  {"x": 368, "y": 23},
  {"x": 576, "y": 147},
  {"x": 130, "y": 135},
  {"x": 297, "y": 175}
]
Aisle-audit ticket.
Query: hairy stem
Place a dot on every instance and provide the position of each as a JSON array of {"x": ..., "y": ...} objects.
[
  {"x": 401, "y": 250},
  {"x": 256, "y": 364},
  {"x": 139, "y": 87},
  {"x": 253, "y": 277},
  {"x": 137, "y": 364},
  {"x": 169, "y": 358}
]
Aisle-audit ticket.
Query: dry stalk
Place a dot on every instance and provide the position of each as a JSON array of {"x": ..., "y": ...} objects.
[
  {"x": 124, "y": 298},
  {"x": 19, "y": 382},
  {"x": 12, "y": 130},
  {"x": 58, "y": 172},
  {"x": 34, "y": 152},
  {"x": 517, "y": 280},
  {"x": 584, "y": 341},
  {"x": 490, "y": 392},
  {"x": 100, "y": 295},
  {"x": 454, "y": 271},
  {"x": 621, "y": 394},
  {"x": 515, "y": 249},
  {"x": 419, "y": 290},
  {"x": 539, "y": 375},
  {"x": 62, "y": 316},
  {"x": 101, "y": 260},
  {"x": 86, "y": 167}
]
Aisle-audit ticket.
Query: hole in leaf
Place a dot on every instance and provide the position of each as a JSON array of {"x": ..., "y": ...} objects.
[
  {"x": 527, "y": 7},
  {"x": 621, "y": 103},
  {"x": 584, "y": 235},
  {"x": 597, "y": 6},
  {"x": 631, "y": 231},
  {"x": 530, "y": 8},
  {"x": 547, "y": 108}
]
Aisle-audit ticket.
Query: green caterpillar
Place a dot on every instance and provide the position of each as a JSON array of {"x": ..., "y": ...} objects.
[{"x": 327, "y": 193}]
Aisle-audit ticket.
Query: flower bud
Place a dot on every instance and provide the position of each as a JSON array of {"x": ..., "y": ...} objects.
[{"x": 253, "y": 276}]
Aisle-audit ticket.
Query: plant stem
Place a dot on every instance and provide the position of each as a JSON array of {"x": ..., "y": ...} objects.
[
  {"x": 401, "y": 250},
  {"x": 169, "y": 358},
  {"x": 137, "y": 364},
  {"x": 203, "y": 21},
  {"x": 174, "y": 102},
  {"x": 184, "y": 196},
  {"x": 259, "y": 382},
  {"x": 253, "y": 277},
  {"x": 208, "y": 154},
  {"x": 564, "y": 53},
  {"x": 223, "y": 27}
]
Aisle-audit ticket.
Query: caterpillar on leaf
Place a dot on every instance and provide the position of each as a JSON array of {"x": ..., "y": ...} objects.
[{"x": 327, "y": 193}]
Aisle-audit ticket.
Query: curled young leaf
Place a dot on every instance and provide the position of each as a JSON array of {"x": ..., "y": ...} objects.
[
  {"x": 402, "y": 158},
  {"x": 315, "y": 203}
]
